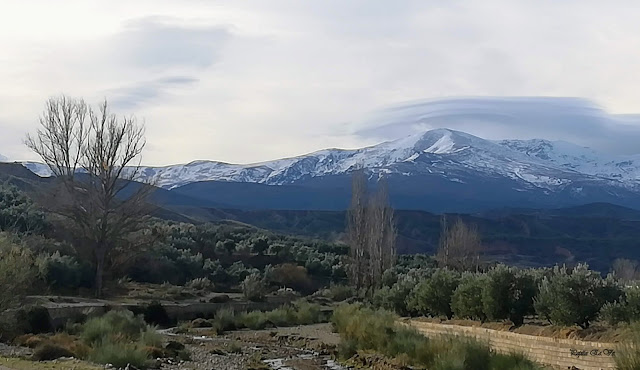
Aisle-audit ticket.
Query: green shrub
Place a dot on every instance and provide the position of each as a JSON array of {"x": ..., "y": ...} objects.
[
  {"x": 306, "y": 313},
  {"x": 338, "y": 292},
  {"x": 225, "y": 319},
  {"x": 119, "y": 354},
  {"x": 60, "y": 271},
  {"x": 466, "y": 301},
  {"x": 283, "y": 316},
  {"x": 432, "y": 296},
  {"x": 18, "y": 272},
  {"x": 394, "y": 298},
  {"x": 365, "y": 329},
  {"x": 254, "y": 320},
  {"x": 253, "y": 288},
  {"x": 114, "y": 324}
]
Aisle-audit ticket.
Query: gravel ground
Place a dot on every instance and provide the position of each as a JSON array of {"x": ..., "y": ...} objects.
[{"x": 302, "y": 348}]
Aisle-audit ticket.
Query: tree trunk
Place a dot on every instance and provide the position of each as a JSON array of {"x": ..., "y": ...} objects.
[{"x": 100, "y": 257}]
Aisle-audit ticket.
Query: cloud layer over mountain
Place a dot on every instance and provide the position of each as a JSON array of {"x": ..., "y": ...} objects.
[{"x": 576, "y": 120}]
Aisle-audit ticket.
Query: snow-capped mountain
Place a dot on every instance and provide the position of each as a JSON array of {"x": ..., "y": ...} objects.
[
  {"x": 435, "y": 170},
  {"x": 538, "y": 163}
]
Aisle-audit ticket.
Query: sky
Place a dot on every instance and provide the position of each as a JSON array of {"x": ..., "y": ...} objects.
[{"x": 249, "y": 81}]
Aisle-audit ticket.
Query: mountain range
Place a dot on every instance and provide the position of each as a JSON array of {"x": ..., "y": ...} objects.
[{"x": 440, "y": 170}]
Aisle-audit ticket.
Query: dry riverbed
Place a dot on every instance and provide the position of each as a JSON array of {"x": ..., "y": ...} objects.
[{"x": 308, "y": 347}]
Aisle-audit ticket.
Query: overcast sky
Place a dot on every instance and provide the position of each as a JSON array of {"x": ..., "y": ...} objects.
[{"x": 245, "y": 81}]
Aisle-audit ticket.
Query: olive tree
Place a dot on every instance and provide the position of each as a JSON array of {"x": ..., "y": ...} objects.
[
  {"x": 94, "y": 156},
  {"x": 569, "y": 297}
]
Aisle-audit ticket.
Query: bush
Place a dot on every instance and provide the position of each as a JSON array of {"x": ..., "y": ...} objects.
[
  {"x": 627, "y": 309},
  {"x": 466, "y": 301},
  {"x": 306, "y": 313},
  {"x": 225, "y": 319},
  {"x": 394, "y": 298},
  {"x": 119, "y": 354},
  {"x": 18, "y": 272},
  {"x": 50, "y": 351},
  {"x": 576, "y": 297},
  {"x": 18, "y": 212},
  {"x": 291, "y": 276},
  {"x": 432, "y": 296},
  {"x": 155, "y": 314},
  {"x": 364, "y": 329},
  {"x": 283, "y": 316},
  {"x": 113, "y": 325},
  {"x": 253, "y": 288},
  {"x": 60, "y": 271},
  {"x": 338, "y": 292},
  {"x": 254, "y": 320},
  {"x": 201, "y": 284}
]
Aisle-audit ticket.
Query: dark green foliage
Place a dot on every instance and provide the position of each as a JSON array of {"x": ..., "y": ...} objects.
[
  {"x": 432, "y": 296},
  {"x": 466, "y": 302},
  {"x": 508, "y": 294},
  {"x": 575, "y": 297},
  {"x": 394, "y": 298},
  {"x": 18, "y": 213},
  {"x": 155, "y": 314},
  {"x": 60, "y": 271},
  {"x": 39, "y": 320},
  {"x": 625, "y": 309}
]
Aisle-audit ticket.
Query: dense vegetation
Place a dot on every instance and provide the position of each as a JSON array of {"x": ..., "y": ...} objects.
[{"x": 562, "y": 296}]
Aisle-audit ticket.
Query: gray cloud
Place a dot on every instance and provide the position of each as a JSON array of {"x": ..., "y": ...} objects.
[
  {"x": 129, "y": 97},
  {"x": 156, "y": 42},
  {"x": 571, "y": 119}
]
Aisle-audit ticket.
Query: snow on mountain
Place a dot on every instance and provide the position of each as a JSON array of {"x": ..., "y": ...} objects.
[
  {"x": 581, "y": 159},
  {"x": 453, "y": 155},
  {"x": 447, "y": 152}
]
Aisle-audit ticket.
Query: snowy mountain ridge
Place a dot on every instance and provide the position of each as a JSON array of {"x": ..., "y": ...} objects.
[{"x": 543, "y": 164}]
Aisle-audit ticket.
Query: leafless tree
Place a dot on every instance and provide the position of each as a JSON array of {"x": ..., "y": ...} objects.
[
  {"x": 625, "y": 269},
  {"x": 460, "y": 246},
  {"x": 371, "y": 233},
  {"x": 94, "y": 155},
  {"x": 357, "y": 230}
]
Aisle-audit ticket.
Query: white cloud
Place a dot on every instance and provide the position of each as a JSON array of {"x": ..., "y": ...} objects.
[{"x": 246, "y": 81}]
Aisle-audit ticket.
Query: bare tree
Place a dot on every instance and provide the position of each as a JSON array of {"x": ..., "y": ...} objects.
[
  {"x": 371, "y": 233},
  {"x": 625, "y": 269},
  {"x": 381, "y": 233},
  {"x": 95, "y": 157},
  {"x": 357, "y": 230},
  {"x": 460, "y": 246}
]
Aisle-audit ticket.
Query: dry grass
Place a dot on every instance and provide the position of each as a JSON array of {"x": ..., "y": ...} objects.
[
  {"x": 21, "y": 364},
  {"x": 596, "y": 333}
]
